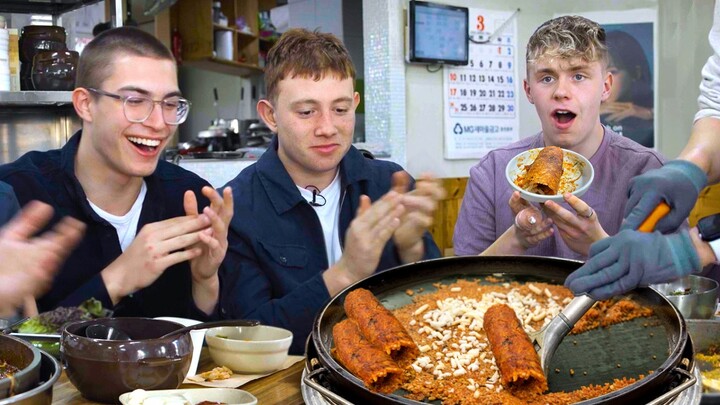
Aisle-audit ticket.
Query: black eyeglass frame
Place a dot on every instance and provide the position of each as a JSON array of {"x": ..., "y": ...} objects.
[{"x": 162, "y": 102}]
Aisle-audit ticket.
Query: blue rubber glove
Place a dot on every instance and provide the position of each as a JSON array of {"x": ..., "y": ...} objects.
[
  {"x": 631, "y": 259},
  {"x": 678, "y": 183}
]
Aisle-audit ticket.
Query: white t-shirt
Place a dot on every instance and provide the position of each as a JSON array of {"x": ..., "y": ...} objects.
[
  {"x": 126, "y": 225},
  {"x": 329, "y": 216}
]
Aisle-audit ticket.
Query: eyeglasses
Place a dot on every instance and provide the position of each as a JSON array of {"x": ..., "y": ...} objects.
[{"x": 138, "y": 108}]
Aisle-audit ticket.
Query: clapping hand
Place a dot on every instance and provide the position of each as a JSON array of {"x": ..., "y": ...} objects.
[
  {"x": 213, "y": 240},
  {"x": 212, "y": 244},
  {"x": 365, "y": 239},
  {"x": 30, "y": 262},
  {"x": 420, "y": 205}
]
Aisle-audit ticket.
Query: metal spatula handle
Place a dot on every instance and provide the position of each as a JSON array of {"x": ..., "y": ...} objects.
[
  {"x": 576, "y": 309},
  {"x": 559, "y": 327},
  {"x": 551, "y": 335}
]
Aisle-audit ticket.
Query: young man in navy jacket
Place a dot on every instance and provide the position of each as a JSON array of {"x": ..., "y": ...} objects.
[
  {"x": 148, "y": 250},
  {"x": 314, "y": 215}
]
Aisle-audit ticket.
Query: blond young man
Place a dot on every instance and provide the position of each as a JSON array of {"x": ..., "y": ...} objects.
[
  {"x": 567, "y": 80},
  {"x": 314, "y": 215}
]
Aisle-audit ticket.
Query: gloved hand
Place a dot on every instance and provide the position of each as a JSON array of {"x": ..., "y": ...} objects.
[
  {"x": 678, "y": 183},
  {"x": 631, "y": 259}
]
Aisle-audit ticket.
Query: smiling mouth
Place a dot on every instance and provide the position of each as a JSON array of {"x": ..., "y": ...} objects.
[
  {"x": 148, "y": 145},
  {"x": 564, "y": 116}
]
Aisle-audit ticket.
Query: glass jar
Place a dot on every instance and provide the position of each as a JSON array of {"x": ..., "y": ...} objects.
[
  {"x": 54, "y": 70},
  {"x": 33, "y": 39}
]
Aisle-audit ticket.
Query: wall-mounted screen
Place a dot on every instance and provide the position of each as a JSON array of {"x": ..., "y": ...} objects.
[{"x": 437, "y": 33}]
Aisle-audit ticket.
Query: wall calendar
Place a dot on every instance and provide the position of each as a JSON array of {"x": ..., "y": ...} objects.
[{"x": 481, "y": 99}]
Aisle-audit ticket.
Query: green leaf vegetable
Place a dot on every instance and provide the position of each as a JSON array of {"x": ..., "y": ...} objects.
[{"x": 52, "y": 321}]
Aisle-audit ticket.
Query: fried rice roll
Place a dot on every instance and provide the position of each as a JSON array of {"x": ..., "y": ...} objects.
[
  {"x": 543, "y": 175},
  {"x": 380, "y": 327},
  {"x": 514, "y": 353},
  {"x": 371, "y": 365}
]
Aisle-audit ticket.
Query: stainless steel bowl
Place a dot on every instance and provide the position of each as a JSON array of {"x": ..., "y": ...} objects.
[
  {"x": 26, "y": 359},
  {"x": 705, "y": 333},
  {"x": 696, "y": 297},
  {"x": 42, "y": 393}
]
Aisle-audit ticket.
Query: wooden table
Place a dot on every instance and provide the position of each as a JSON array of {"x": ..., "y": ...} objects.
[{"x": 282, "y": 387}]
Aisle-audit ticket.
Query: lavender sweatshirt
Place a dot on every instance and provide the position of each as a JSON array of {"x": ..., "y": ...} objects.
[{"x": 485, "y": 213}]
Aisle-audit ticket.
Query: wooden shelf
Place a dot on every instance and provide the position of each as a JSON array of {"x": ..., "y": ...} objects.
[
  {"x": 218, "y": 27},
  {"x": 246, "y": 35},
  {"x": 194, "y": 22},
  {"x": 227, "y": 67},
  {"x": 265, "y": 42}
]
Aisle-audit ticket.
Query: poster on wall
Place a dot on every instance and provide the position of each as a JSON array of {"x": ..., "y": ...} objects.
[
  {"x": 480, "y": 99},
  {"x": 630, "y": 36}
]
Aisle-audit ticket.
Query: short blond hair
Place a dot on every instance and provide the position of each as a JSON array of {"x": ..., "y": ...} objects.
[{"x": 568, "y": 37}]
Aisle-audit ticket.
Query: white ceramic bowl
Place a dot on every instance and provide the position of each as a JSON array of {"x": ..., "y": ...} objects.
[
  {"x": 249, "y": 349},
  {"x": 517, "y": 166},
  {"x": 197, "y": 336},
  {"x": 228, "y": 396}
]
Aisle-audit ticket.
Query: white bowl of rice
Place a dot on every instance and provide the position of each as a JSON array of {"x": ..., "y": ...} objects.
[{"x": 578, "y": 174}]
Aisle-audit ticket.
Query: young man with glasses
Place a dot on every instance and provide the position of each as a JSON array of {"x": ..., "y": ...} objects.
[{"x": 156, "y": 233}]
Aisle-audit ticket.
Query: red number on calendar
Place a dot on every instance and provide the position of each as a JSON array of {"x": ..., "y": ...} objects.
[{"x": 480, "y": 23}]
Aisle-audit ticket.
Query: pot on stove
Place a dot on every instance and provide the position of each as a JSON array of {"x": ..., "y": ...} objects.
[{"x": 215, "y": 138}]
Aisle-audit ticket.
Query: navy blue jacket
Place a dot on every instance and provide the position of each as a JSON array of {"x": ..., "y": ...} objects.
[
  {"x": 277, "y": 254},
  {"x": 8, "y": 203},
  {"x": 50, "y": 177}
]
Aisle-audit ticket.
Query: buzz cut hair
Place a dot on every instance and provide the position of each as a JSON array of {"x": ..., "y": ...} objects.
[{"x": 96, "y": 60}]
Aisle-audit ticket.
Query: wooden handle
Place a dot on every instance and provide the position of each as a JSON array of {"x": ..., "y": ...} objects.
[{"x": 649, "y": 223}]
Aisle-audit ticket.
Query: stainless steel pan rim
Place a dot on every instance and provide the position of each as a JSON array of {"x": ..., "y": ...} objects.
[{"x": 518, "y": 268}]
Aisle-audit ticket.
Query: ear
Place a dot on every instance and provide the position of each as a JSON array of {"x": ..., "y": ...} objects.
[
  {"x": 526, "y": 86},
  {"x": 356, "y": 100},
  {"x": 607, "y": 86},
  {"x": 81, "y": 100},
  {"x": 267, "y": 112}
]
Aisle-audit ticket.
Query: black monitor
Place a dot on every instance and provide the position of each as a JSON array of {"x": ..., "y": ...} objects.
[{"x": 437, "y": 33}]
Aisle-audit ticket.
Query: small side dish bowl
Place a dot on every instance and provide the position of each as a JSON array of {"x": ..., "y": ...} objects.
[
  {"x": 696, "y": 297},
  {"x": 230, "y": 396},
  {"x": 578, "y": 174},
  {"x": 249, "y": 349}
]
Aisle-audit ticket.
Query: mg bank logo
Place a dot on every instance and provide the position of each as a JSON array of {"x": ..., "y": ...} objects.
[{"x": 458, "y": 129}]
